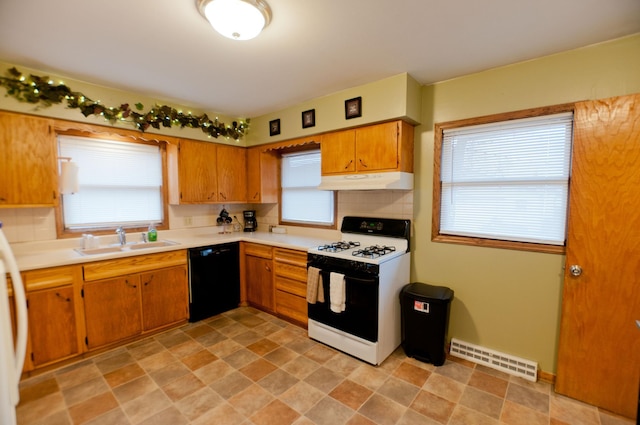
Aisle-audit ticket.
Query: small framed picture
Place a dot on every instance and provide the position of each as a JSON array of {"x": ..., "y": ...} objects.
[
  {"x": 353, "y": 108},
  {"x": 309, "y": 118},
  {"x": 274, "y": 127}
]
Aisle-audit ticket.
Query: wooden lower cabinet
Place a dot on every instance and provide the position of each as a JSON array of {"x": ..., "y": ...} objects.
[
  {"x": 52, "y": 330},
  {"x": 54, "y": 311},
  {"x": 112, "y": 310},
  {"x": 165, "y": 299},
  {"x": 290, "y": 268},
  {"x": 124, "y": 298},
  {"x": 259, "y": 282}
]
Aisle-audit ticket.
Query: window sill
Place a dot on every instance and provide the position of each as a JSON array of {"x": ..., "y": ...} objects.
[{"x": 494, "y": 243}]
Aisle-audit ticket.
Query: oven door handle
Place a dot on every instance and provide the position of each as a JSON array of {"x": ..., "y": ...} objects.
[{"x": 365, "y": 281}]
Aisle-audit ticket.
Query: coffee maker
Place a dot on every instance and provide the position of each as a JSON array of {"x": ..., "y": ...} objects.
[{"x": 250, "y": 222}]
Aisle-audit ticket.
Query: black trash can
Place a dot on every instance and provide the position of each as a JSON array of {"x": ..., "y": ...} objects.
[{"x": 425, "y": 319}]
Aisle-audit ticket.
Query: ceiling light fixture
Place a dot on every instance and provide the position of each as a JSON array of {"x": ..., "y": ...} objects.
[{"x": 236, "y": 19}]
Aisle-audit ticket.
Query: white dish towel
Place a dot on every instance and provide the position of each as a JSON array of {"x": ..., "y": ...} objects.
[{"x": 337, "y": 292}]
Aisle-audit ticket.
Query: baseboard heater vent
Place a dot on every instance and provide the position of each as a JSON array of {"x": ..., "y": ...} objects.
[{"x": 504, "y": 362}]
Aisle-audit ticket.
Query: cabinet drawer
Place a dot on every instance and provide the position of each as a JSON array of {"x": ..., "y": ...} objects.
[
  {"x": 291, "y": 271},
  {"x": 35, "y": 280},
  {"x": 290, "y": 256},
  {"x": 140, "y": 263},
  {"x": 294, "y": 287},
  {"x": 257, "y": 250},
  {"x": 291, "y": 306}
]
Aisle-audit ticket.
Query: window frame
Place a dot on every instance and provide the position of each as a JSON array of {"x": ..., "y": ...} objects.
[
  {"x": 439, "y": 128},
  {"x": 333, "y": 225},
  {"x": 122, "y": 136}
]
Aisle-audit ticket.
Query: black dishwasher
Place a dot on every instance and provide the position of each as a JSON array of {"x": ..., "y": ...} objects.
[{"x": 214, "y": 280}]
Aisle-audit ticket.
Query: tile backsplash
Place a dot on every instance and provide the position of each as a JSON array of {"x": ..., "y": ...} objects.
[{"x": 39, "y": 224}]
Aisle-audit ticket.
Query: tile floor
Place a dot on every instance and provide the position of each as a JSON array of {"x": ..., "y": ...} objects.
[{"x": 247, "y": 367}]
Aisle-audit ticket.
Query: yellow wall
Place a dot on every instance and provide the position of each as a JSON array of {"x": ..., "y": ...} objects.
[
  {"x": 508, "y": 300},
  {"x": 108, "y": 97},
  {"x": 391, "y": 98}
]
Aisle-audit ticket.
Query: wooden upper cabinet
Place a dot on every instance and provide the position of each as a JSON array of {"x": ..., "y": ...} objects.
[
  {"x": 28, "y": 168},
  {"x": 262, "y": 176},
  {"x": 232, "y": 173},
  {"x": 375, "y": 148},
  {"x": 197, "y": 175},
  {"x": 338, "y": 152}
]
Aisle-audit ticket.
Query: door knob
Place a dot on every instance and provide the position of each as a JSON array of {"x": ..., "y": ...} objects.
[{"x": 575, "y": 270}]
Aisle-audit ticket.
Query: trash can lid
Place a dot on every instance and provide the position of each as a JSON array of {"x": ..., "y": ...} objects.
[{"x": 424, "y": 290}]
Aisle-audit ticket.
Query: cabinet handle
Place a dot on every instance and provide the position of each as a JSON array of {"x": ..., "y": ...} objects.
[
  {"x": 63, "y": 298},
  {"x": 222, "y": 196},
  {"x": 149, "y": 281},
  {"x": 256, "y": 195},
  {"x": 267, "y": 268},
  {"x": 126, "y": 282},
  {"x": 212, "y": 195},
  {"x": 362, "y": 163},
  {"x": 348, "y": 163}
]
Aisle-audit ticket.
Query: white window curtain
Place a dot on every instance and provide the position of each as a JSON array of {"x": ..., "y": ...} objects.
[
  {"x": 301, "y": 200},
  {"x": 507, "y": 180},
  {"x": 119, "y": 183}
]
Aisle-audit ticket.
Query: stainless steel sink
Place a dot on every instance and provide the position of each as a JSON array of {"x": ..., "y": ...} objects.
[
  {"x": 128, "y": 247},
  {"x": 154, "y": 244}
]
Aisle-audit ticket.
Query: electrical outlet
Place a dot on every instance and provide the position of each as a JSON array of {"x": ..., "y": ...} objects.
[{"x": 188, "y": 221}]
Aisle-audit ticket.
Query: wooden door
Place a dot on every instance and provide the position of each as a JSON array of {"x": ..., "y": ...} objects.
[
  {"x": 197, "y": 172},
  {"x": 599, "y": 352},
  {"x": 112, "y": 309},
  {"x": 338, "y": 152},
  {"x": 28, "y": 161},
  {"x": 232, "y": 177},
  {"x": 52, "y": 325},
  {"x": 377, "y": 147},
  {"x": 165, "y": 297},
  {"x": 259, "y": 282}
]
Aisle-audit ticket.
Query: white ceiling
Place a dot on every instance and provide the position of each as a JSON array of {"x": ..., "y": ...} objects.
[{"x": 165, "y": 49}]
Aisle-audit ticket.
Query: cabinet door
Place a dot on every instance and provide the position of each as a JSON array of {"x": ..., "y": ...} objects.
[
  {"x": 338, "y": 152},
  {"x": 52, "y": 325},
  {"x": 197, "y": 172},
  {"x": 28, "y": 162},
  {"x": 262, "y": 176},
  {"x": 165, "y": 297},
  {"x": 112, "y": 310},
  {"x": 259, "y": 282},
  {"x": 232, "y": 177},
  {"x": 377, "y": 147}
]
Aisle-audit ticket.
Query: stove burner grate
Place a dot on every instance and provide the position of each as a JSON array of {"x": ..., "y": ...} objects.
[
  {"x": 373, "y": 251},
  {"x": 338, "y": 246}
]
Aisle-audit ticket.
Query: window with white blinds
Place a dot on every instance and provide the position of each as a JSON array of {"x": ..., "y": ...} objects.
[
  {"x": 507, "y": 180},
  {"x": 120, "y": 183},
  {"x": 301, "y": 201}
]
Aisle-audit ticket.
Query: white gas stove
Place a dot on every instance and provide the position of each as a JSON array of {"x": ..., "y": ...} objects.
[{"x": 373, "y": 257}]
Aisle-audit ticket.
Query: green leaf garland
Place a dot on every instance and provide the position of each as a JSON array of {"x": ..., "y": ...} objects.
[{"x": 41, "y": 90}]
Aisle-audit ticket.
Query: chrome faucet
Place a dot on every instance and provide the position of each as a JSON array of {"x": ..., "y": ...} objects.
[{"x": 122, "y": 235}]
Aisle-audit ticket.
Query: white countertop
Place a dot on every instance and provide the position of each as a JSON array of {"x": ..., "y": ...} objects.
[{"x": 37, "y": 255}]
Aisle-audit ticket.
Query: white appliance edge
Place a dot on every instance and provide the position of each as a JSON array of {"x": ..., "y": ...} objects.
[
  {"x": 395, "y": 275},
  {"x": 11, "y": 358}
]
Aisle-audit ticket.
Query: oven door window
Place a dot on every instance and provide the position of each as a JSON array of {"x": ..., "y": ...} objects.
[{"x": 360, "y": 317}]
